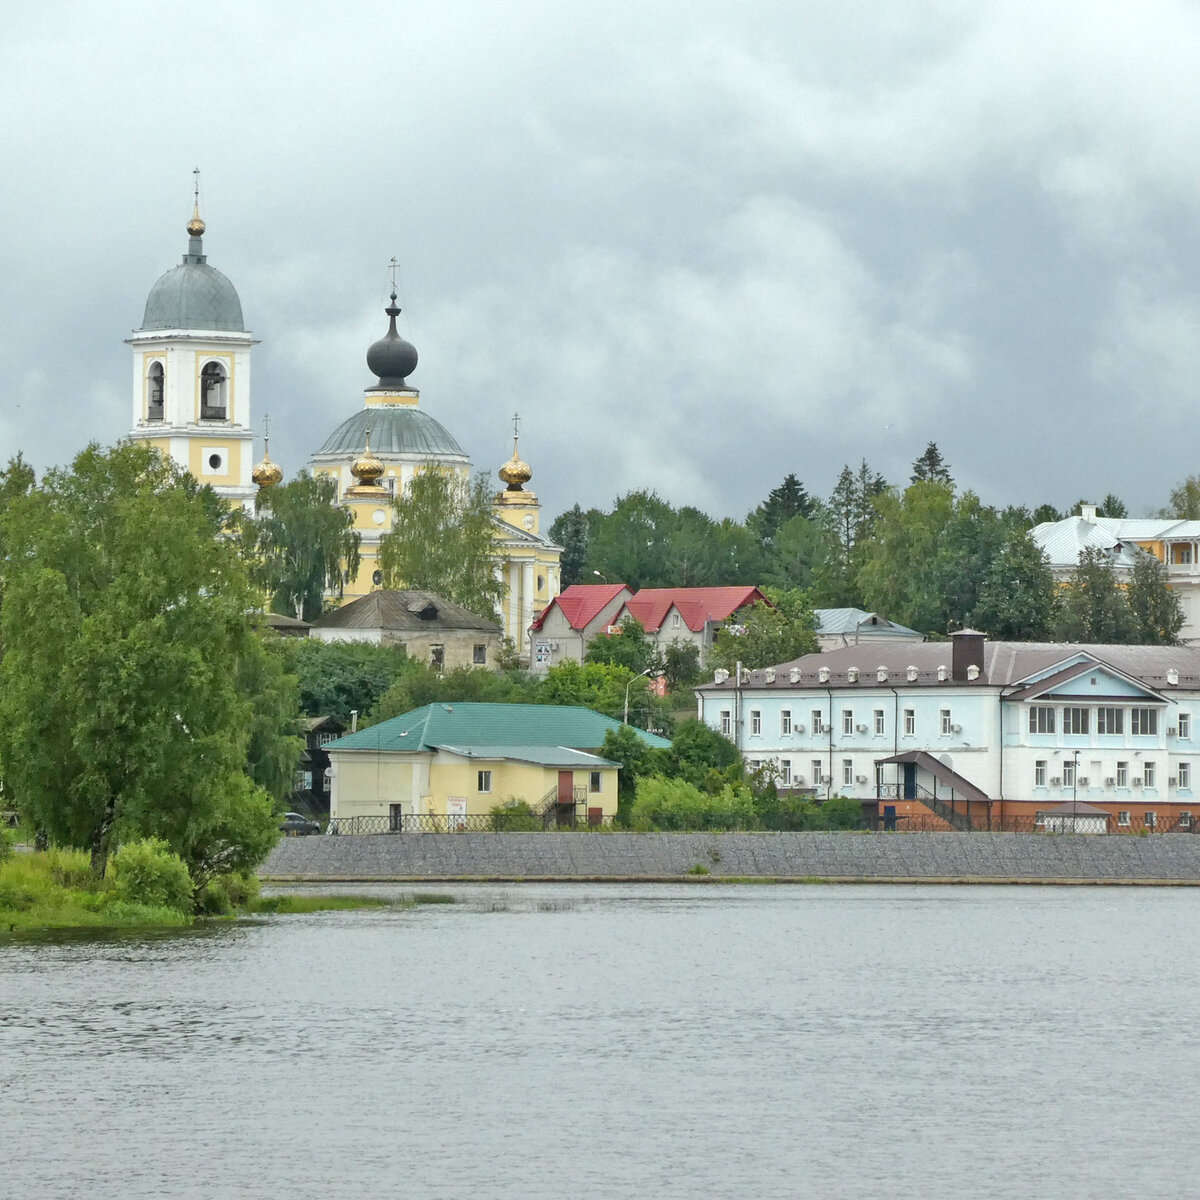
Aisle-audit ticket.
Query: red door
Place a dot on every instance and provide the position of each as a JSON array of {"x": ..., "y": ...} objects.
[{"x": 566, "y": 787}]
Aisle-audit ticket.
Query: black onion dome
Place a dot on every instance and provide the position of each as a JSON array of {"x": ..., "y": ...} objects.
[{"x": 392, "y": 358}]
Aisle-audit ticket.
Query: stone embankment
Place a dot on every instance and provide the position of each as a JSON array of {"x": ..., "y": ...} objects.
[{"x": 835, "y": 857}]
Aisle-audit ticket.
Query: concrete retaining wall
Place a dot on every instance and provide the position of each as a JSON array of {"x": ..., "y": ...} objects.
[{"x": 910, "y": 857}]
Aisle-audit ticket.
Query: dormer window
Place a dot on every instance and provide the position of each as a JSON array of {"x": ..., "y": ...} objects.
[
  {"x": 213, "y": 392},
  {"x": 155, "y": 382}
]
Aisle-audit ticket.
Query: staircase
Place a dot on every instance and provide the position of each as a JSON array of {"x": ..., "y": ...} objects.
[{"x": 955, "y": 818}]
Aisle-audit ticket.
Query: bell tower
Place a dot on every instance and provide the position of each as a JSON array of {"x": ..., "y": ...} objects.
[{"x": 191, "y": 372}]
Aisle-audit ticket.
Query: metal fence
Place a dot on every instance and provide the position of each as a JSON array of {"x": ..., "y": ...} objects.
[
  {"x": 1047, "y": 823},
  {"x": 498, "y": 822}
]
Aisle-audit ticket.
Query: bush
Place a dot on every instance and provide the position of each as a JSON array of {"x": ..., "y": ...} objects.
[
  {"x": 675, "y": 804},
  {"x": 70, "y": 868},
  {"x": 515, "y": 816},
  {"x": 7, "y": 840},
  {"x": 213, "y": 899},
  {"x": 148, "y": 873}
]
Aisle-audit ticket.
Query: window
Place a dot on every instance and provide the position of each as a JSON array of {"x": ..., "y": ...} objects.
[
  {"x": 785, "y": 722},
  {"x": 1149, "y": 774},
  {"x": 1039, "y": 773},
  {"x": 1068, "y": 775},
  {"x": 485, "y": 781},
  {"x": 1110, "y": 720},
  {"x": 437, "y": 657},
  {"x": 1123, "y": 817},
  {"x": 1185, "y": 725},
  {"x": 818, "y": 726},
  {"x": 725, "y": 723},
  {"x": 910, "y": 722},
  {"x": 847, "y": 720},
  {"x": 1185, "y": 819},
  {"x": 785, "y": 772},
  {"x": 154, "y": 409},
  {"x": 1184, "y": 771},
  {"x": 395, "y": 818},
  {"x": 479, "y": 655},
  {"x": 879, "y": 722},
  {"x": 675, "y": 621},
  {"x": 945, "y": 720},
  {"x": 879, "y": 779},
  {"x": 212, "y": 392},
  {"x": 1183, "y": 555},
  {"x": 847, "y": 772},
  {"x": 1143, "y": 722},
  {"x": 1041, "y": 719},
  {"x": 323, "y": 739},
  {"x": 1151, "y": 819},
  {"x": 816, "y": 774},
  {"x": 1122, "y": 774},
  {"x": 755, "y": 722},
  {"x": 595, "y": 782},
  {"x": 1075, "y": 721}
]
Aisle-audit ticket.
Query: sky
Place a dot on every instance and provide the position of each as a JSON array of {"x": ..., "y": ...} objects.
[{"x": 698, "y": 246}]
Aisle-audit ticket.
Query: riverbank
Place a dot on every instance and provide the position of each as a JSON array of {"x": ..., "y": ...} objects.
[{"x": 1163, "y": 859}]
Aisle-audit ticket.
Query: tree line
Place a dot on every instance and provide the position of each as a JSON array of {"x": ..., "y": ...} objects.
[{"x": 925, "y": 554}]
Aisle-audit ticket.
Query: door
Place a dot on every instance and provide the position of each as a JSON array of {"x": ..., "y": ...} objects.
[
  {"x": 456, "y": 813},
  {"x": 910, "y": 780},
  {"x": 566, "y": 787}
]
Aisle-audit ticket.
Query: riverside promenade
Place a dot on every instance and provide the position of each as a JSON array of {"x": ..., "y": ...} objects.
[{"x": 1162, "y": 859}]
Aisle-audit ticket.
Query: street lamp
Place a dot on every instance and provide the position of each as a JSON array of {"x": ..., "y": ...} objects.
[
  {"x": 1075, "y": 795},
  {"x": 647, "y": 671}
]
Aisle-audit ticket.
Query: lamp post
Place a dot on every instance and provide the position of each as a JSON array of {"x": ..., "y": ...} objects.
[
  {"x": 1075, "y": 794},
  {"x": 641, "y": 675}
]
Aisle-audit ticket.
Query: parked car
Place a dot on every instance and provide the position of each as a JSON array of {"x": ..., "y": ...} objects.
[{"x": 296, "y": 824}]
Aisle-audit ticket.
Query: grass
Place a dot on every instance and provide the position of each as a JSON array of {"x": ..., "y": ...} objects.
[{"x": 289, "y": 902}]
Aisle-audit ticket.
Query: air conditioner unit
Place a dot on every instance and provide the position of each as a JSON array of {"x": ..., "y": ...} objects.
[
  {"x": 1171, "y": 780},
  {"x": 1056, "y": 781},
  {"x": 1136, "y": 781},
  {"x": 1171, "y": 731},
  {"x": 1083, "y": 781},
  {"x": 798, "y": 727},
  {"x": 860, "y": 779},
  {"x": 797, "y": 778},
  {"x": 956, "y": 729},
  {"x": 860, "y": 729},
  {"x": 1109, "y": 781}
]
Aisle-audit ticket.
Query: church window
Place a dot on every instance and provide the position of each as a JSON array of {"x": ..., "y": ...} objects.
[
  {"x": 213, "y": 387},
  {"x": 154, "y": 407}
]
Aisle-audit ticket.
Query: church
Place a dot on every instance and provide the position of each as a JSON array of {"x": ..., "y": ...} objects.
[{"x": 192, "y": 399}]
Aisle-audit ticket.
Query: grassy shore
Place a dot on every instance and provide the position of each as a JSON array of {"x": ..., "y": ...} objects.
[{"x": 56, "y": 889}]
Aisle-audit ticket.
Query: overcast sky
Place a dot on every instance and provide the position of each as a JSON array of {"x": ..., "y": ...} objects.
[{"x": 697, "y": 245}]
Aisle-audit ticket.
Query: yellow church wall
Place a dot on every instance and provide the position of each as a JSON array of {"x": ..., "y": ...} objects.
[{"x": 233, "y": 460}]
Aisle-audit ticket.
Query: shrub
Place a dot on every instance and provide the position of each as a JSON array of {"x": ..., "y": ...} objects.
[
  {"x": 213, "y": 899},
  {"x": 514, "y": 816},
  {"x": 148, "y": 873},
  {"x": 7, "y": 840},
  {"x": 675, "y": 804},
  {"x": 242, "y": 887},
  {"x": 70, "y": 868}
]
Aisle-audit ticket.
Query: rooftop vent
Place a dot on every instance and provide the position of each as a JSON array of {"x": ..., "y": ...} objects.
[
  {"x": 769, "y": 675},
  {"x": 852, "y": 675},
  {"x": 794, "y": 675},
  {"x": 882, "y": 674},
  {"x": 911, "y": 673},
  {"x": 720, "y": 675},
  {"x": 1173, "y": 676},
  {"x": 823, "y": 675},
  {"x": 972, "y": 672}
]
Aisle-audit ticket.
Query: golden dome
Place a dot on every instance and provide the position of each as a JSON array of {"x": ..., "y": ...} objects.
[
  {"x": 515, "y": 472},
  {"x": 267, "y": 473},
  {"x": 367, "y": 468},
  {"x": 195, "y": 226}
]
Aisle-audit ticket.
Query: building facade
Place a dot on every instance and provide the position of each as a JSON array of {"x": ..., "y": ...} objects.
[{"x": 999, "y": 731}]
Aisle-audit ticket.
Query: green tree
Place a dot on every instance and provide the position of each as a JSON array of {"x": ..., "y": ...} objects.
[
  {"x": 1153, "y": 607},
  {"x": 930, "y": 468},
  {"x": 776, "y": 632},
  {"x": 1112, "y": 506},
  {"x": 1092, "y": 607},
  {"x": 299, "y": 542},
  {"x": 124, "y": 628},
  {"x": 849, "y": 518},
  {"x": 420, "y": 684},
  {"x": 1018, "y": 601},
  {"x": 627, "y": 646},
  {"x": 441, "y": 541},
  {"x": 570, "y": 531},
  {"x": 338, "y": 678},
  {"x": 681, "y": 664},
  {"x": 701, "y": 756},
  {"x": 1045, "y": 513},
  {"x": 602, "y": 688},
  {"x": 624, "y": 746},
  {"x": 630, "y": 544},
  {"x": 784, "y": 503},
  {"x": 1185, "y": 500}
]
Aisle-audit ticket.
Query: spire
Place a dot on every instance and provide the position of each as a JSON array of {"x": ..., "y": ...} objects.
[
  {"x": 516, "y": 473},
  {"x": 195, "y": 226}
]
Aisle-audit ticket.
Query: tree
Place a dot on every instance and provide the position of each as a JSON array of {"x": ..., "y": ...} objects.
[
  {"x": 700, "y": 755},
  {"x": 636, "y": 759},
  {"x": 570, "y": 531},
  {"x": 849, "y": 518},
  {"x": 124, "y": 630},
  {"x": 441, "y": 541},
  {"x": 681, "y": 664},
  {"x": 1045, "y": 514},
  {"x": 1185, "y": 500},
  {"x": 630, "y": 544},
  {"x": 1154, "y": 608},
  {"x": 338, "y": 678},
  {"x": 1017, "y": 601},
  {"x": 299, "y": 542},
  {"x": 788, "y": 500},
  {"x": 627, "y": 646},
  {"x": 798, "y": 551},
  {"x": 1112, "y": 506},
  {"x": 1092, "y": 606},
  {"x": 930, "y": 468},
  {"x": 776, "y": 632}
]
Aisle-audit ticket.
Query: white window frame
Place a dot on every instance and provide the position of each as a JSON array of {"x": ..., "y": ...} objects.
[
  {"x": 1123, "y": 816},
  {"x": 818, "y": 723},
  {"x": 946, "y": 721},
  {"x": 1106, "y": 715},
  {"x": 1184, "y": 726},
  {"x": 1150, "y": 818},
  {"x": 785, "y": 772},
  {"x": 817, "y": 771},
  {"x": 1068, "y": 773},
  {"x": 1122, "y": 774},
  {"x": 847, "y": 721},
  {"x": 1039, "y": 772},
  {"x": 785, "y": 722},
  {"x": 1183, "y": 775},
  {"x": 1143, "y": 716},
  {"x": 1149, "y": 774},
  {"x": 1076, "y": 720},
  {"x": 756, "y": 722},
  {"x": 484, "y": 781},
  {"x": 880, "y": 722},
  {"x": 1041, "y": 718},
  {"x": 910, "y": 722},
  {"x": 726, "y": 722},
  {"x": 847, "y": 772}
]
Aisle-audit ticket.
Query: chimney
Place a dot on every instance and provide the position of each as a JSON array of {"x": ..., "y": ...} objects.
[
  {"x": 968, "y": 652},
  {"x": 1088, "y": 513}
]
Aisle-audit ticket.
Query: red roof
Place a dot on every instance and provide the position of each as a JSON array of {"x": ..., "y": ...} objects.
[
  {"x": 581, "y": 603},
  {"x": 695, "y": 605}
]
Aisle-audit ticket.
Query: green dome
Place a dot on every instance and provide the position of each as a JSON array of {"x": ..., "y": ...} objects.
[{"x": 395, "y": 429}]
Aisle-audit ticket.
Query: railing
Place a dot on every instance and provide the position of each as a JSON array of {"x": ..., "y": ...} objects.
[
  {"x": 211, "y": 412},
  {"x": 554, "y": 810},
  {"x": 1051, "y": 824},
  {"x": 436, "y": 823}
]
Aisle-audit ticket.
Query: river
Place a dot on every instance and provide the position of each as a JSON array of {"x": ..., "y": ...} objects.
[{"x": 579, "y": 1041}]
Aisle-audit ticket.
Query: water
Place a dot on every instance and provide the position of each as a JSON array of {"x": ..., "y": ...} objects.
[{"x": 618, "y": 1041}]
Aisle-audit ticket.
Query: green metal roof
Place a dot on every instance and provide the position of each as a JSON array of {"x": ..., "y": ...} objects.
[
  {"x": 542, "y": 756},
  {"x": 472, "y": 725}
]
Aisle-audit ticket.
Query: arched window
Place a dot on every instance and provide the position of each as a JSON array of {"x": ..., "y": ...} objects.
[
  {"x": 213, "y": 385},
  {"x": 154, "y": 392}
]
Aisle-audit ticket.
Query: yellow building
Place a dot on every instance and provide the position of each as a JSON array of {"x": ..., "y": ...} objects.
[{"x": 450, "y": 765}]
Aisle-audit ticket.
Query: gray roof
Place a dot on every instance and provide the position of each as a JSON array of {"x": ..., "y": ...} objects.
[
  {"x": 1063, "y": 541},
  {"x": 395, "y": 429},
  {"x": 1005, "y": 664},
  {"x": 857, "y": 622},
  {"x": 193, "y": 295},
  {"x": 404, "y": 611}
]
